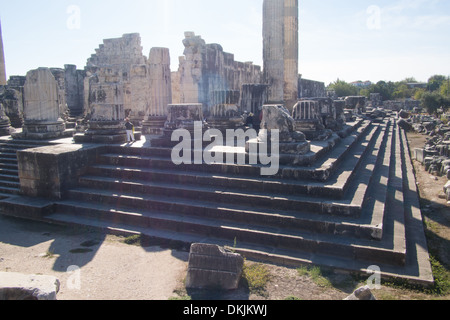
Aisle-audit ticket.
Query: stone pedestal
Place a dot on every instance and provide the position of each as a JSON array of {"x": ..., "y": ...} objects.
[
  {"x": 42, "y": 107},
  {"x": 292, "y": 145},
  {"x": 106, "y": 114},
  {"x": 109, "y": 132},
  {"x": 180, "y": 116},
  {"x": 49, "y": 172},
  {"x": 211, "y": 267},
  {"x": 153, "y": 125},
  {"x": 225, "y": 116}
]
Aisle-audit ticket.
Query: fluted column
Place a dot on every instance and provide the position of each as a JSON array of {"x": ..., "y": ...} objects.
[
  {"x": 291, "y": 52},
  {"x": 273, "y": 49},
  {"x": 160, "y": 90},
  {"x": 2, "y": 60},
  {"x": 280, "y": 34}
]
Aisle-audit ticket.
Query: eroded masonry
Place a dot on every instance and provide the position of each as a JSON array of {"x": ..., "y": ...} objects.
[{"x": 344, "y": 194}]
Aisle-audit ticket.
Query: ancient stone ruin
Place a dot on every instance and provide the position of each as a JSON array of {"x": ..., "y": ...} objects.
[
  {"x": 42, "y": 106},
  {"x": 306, "y": 179}
]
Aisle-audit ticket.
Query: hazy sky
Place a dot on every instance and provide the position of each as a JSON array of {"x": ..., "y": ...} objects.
[{"x": 350, "y": 40}]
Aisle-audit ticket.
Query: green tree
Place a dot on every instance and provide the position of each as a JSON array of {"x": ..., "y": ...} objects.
[
  {"x": 432, "y": 101},
  {"x": 386, "y": 89},
  {"x": 402, "y": 91},
  {"x": 435, "y": 82},
  {"x": 445, "y": 88},
  {"x": 419, "y": 94},
  {"x": 343, "y": 89}
]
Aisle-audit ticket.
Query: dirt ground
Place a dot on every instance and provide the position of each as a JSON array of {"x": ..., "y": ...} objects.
[{"x": 108, "y": 269}]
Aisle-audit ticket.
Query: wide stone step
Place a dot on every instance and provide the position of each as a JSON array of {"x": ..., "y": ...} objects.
[
  {"x": 8, "y": 155},
  {"x": 9, "y": 171},
  {"x": 9, "y": 165},
  {"x": 239, "y": 232},
  {"x": 141, "y": 167},
  {"x": 331, "y": 154},
  {"x": 9, "y": 189},
  {"x": 141, "y": 180},
  {"x": 8, "y": 160},
  {"x": 7, "y": 177},
  {"x": 266, "y": 207}
]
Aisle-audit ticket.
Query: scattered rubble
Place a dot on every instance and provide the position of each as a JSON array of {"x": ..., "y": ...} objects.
[{"x": 435, "y": 155}]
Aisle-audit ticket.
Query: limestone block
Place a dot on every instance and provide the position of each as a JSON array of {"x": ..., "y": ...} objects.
[
  {"x": 277, "y": 117},
  {"x": 16, "y": 286},
  {"x": 183, "y": 116},
  {"x": 50, "y": 171},
  {"x": 211, "y": 266}
]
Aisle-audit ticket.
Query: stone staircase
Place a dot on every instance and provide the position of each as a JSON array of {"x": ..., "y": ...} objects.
[
  {"x": 9, "y": 171},
  {"x": 355, "y": 206}
]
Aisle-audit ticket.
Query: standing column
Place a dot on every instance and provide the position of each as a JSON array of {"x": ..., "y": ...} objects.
[
  {"x": 273, "y": 49},
  {"x": 2, "y": 60},
  {"x": 280, "y": 51},
  {"x": 291, "y": 53},
  {"x": 160, "y": 91},
  {"x": 41, "y": 109}
]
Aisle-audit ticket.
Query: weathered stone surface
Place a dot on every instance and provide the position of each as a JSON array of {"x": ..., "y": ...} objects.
[
  {"x": 42, "y": 107},
  {"x": 276, "y": 117},
  {"x": 206, "y": 68},
  {"x": 183, "y": 116},
  {"x": 50, "y": 171},
  {"x": 16, "y": 286},
  {"x": 74, "y": 85},
  {"x": 210, "y": 266},
  {"x": 121, "y": 61},
  {"x": 405, "y": 125},
  {"x": 11, "y": 97},
  {"x": 160, "y": 91},
  {"x": 356, "y": 103},
  {"x": 5, "y": 123},
  {"x": 363, "y": 293}
]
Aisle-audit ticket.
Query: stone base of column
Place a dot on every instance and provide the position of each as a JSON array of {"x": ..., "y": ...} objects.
[
  {"x": 224, "y": 123},
  {"x": 5, "y": 128},
  {"x": 107, "y": 132},
  {"x": 43, "y": 130},
  {"x": 153, "y": 125}
]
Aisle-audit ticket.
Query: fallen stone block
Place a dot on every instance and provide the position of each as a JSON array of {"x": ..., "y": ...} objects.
[
  {"x": 211, "y": 266},
  {"x": 363, "y": 293},
  {"x": 17, "y": 286}
]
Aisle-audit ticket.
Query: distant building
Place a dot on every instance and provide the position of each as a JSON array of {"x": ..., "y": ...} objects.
[
  {"x": 361, "y": 84},
  {"x": 417, "y": 85}
]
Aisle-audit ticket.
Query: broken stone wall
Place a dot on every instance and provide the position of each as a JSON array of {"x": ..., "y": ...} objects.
[
  {"x": 124, "y": 58},
  {"x": 311, "y": 88},
  {"x": 206, "y": 68},
  {"x": 74, "y": 82}
]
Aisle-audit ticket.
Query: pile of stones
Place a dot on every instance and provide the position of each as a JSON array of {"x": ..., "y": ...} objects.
[{"x": 435, "y": 155}]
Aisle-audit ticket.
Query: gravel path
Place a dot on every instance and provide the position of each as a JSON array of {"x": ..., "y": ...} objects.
[{"x": 90, "y": 266}]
